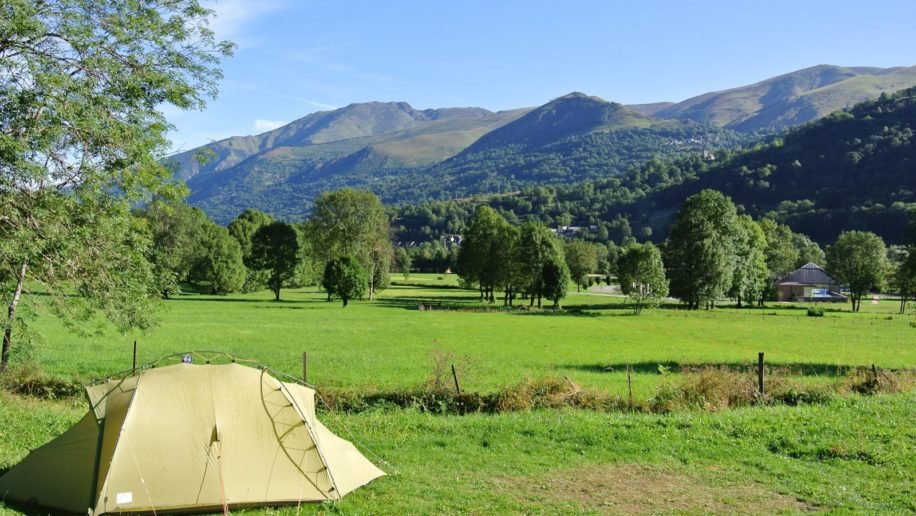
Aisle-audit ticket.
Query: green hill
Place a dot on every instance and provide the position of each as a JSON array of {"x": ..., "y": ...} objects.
[{"x": 853, "y": 169}]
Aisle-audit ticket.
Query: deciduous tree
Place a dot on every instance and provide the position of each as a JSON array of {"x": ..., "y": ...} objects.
[
  {"x": 641, "y": 273},
  {"x": 859, "y": 260},
  {"x": 345, "y": 278},
  {"x": 275, "y": 248},
  {"x": 242, "y": 229},
  {"x": 352, "y": 223},
  {"x": 81, "y": 137},
  {"x": 700, "y": 250},
  {"x": 581, "y": 260}
]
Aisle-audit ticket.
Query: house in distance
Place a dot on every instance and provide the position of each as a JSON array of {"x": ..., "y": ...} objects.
[{"x": 809, "y": 283}]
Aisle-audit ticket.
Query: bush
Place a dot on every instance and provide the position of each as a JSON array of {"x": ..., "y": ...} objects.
[{"x": 815, "y": 311}]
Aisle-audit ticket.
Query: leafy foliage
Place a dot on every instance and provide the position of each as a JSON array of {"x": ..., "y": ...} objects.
[
  {"x": 345, "y": 278},
  {"x": 641, "y": 273},
  {"x": 275, "y": 249},
  {"x": 80, "y": 90},
  {"x": 858, "y": 259},
  {"x": 701, "y": 249},
  {"x": 352, "y": 223}
]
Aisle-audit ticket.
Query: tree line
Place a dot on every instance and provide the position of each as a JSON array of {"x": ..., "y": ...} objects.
[
  {"x": 711, "y": 253},
  {"x": 344, "y": 245}
]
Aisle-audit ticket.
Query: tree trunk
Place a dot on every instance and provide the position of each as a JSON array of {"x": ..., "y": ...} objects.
[
  {"x": 10, "y": 318},
  {"x": 277, "y": 295}
]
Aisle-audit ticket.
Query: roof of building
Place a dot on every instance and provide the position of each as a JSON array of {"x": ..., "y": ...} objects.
[{"x": 808, "y": 274}]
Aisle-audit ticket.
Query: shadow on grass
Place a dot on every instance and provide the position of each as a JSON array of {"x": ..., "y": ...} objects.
[
  {"x": 426, "y": 286},
  {"x": 795, "y": 369},
  {"x": 228, "y": 299}
]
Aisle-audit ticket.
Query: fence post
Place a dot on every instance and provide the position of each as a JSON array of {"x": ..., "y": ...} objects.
[
  {"x": 305, "y": 367},
  {"x": 629, "y": 388},
  {"x": 133, "y": 366},
  {"x": 455, "y": 376},
  {"x": 760, "y": 373}
]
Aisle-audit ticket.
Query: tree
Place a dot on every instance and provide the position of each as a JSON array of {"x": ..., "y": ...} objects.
[
  {"x": 641, "y": 273},
  {"x": 781, "y": 252},
  {"x": 81, "y": 137},
  {"x": 903, "y": 277},
  {"x": 751, "y": 276},
  {"x": 402, "y": 261},
  {"x": 581, "y": 260},
  {"x": 176, "y": 230},
  {"x": 808, "y": 250},
  {"x": 242, "y": 229},
  {"x": 536, "y": 247},
  {"x": 274, "y": 248},
  {"x": 352, "y": 223},
  {"x": 481, "y": 259},
  {"x": 221, "y": 263},
  {"x": 346, "y": 278},
  {"x": 858, "y": 259},
  {"x": 555, "y": 278},
  {"x": 700, "y": 250}
]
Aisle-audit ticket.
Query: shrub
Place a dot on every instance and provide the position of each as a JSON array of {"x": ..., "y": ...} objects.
[{"x": 815, "y": 311}]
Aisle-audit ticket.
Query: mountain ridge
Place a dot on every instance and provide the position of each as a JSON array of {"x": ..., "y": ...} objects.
[{"x": 407, "y": 154}]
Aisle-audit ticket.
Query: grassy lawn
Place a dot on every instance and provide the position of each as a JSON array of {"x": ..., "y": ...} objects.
[
  {"x": 854, "y": 453},
  {"x": 388, "y": 343}
]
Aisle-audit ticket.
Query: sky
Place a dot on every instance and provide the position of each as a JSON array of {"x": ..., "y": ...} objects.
[{"x": 295, "y": 57}]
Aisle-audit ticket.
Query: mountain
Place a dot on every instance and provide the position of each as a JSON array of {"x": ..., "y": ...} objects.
[
  {"x": 409, "y": 155},
  {"x": 789, "y": 99},
  {"x": 360, "y": 122},
  {"x": 853, "y": 169},
  {"x": 572, "y": 138},
  {"x": 280, "y": 171},
  {"x": 574, "y": 114}
]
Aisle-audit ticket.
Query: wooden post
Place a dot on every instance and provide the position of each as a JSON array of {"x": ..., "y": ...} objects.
[
  {"x": 133, "y": 367},
  {"x": 629, "y": 388},
  {"x": 305, "y": 367},
  {"x": 760, "y": 373},
  {"x": 455, "y": 376}
]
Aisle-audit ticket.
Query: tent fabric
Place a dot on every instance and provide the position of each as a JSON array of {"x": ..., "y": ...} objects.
[{"x": 191, "y": 437}]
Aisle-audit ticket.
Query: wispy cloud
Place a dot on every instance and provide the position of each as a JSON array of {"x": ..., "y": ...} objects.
[
  {"x": 233, "y": 17},
  {"x": 262, "y": 125}
]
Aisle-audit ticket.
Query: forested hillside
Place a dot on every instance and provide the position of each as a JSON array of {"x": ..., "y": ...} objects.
[{"x": 855, "y": 169}]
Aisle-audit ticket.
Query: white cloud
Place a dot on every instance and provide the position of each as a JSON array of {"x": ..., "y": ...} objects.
[
  {"x": 261, "y": 125},
  {"x": 232, "y": 16},
  {"x": 320, "y": 105}
]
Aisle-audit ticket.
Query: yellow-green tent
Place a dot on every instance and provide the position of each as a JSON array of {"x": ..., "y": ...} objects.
[{"x": 190, "y": 437}]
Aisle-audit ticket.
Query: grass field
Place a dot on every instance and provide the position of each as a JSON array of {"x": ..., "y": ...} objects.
[
  {"x": 388, "y": 343},
  {"x": 853, "y": 453}
]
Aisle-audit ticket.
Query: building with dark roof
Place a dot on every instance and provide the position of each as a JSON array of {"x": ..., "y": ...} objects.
[{"x": 809, "y": 283}]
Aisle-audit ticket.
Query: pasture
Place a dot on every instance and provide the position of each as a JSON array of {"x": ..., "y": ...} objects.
[
  {"x": 389, "y": 343},
  {"x": 852, "y": 453}
]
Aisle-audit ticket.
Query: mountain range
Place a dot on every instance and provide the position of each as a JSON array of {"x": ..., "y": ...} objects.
[{"x": 410, "y": 155}]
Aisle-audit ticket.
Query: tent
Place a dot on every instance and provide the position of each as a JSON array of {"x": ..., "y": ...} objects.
[{"x": 190, "y": 437}]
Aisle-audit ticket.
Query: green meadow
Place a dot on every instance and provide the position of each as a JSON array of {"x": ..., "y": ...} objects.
[
  {"x": 390, "y": 343},
  {"x": 853, "y": 453}
]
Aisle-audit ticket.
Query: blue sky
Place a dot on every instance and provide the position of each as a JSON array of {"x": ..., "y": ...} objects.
[{"x": 300, "y": 56}]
